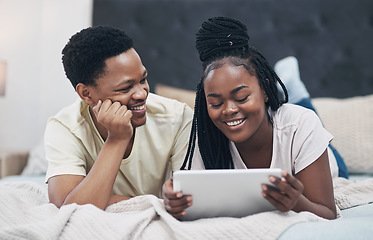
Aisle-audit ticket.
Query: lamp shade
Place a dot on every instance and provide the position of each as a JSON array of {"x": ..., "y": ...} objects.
[{"x": 2, "y": 77}]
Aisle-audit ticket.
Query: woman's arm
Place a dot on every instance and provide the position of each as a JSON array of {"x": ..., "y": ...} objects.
[
  {"x": 175, "y": 202},
  {"x": 310, "y": 190}
]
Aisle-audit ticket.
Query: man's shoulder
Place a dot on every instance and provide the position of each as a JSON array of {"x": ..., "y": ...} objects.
[{"x": 71, "y": 114}]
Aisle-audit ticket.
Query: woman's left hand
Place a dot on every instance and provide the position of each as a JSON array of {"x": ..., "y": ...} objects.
[{"x": 286, "y": 196}]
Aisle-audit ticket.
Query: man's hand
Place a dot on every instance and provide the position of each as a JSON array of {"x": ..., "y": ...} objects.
[{"x": 116, "y": 118}]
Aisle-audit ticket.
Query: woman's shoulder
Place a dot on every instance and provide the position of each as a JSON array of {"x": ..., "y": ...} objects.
[
  {"x": 292, "y": 108},
  {"x": 290, "y": 114}
]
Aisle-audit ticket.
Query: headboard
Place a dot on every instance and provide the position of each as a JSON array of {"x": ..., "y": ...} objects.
[{"x": 332, "y": 39}]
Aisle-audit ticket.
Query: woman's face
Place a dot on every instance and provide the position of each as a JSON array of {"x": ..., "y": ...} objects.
[{"x": 235, "y": 102}]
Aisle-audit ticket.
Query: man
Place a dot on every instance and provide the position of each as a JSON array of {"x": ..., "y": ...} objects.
[{"x": 118, "y": 140}]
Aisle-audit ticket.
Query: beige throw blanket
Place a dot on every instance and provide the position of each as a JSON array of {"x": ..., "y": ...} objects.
[{"x": 25, "y": 213}]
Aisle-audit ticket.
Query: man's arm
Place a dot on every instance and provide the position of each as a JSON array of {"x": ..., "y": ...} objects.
[
  {"x": 116, "y": 198},
  {"x": 96, "y": 187}
]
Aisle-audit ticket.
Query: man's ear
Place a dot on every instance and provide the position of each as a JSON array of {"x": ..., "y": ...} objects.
[{"x": 84, "y": 93}]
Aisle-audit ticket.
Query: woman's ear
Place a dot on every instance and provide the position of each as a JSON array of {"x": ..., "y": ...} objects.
[
  {"x": 265, "y": 96},
  {"x": 264, "y": 93},
  {"x": 84, "y": 93}
]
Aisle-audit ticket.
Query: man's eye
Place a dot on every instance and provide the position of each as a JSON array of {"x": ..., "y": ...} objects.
[
  {"x": 125, "y": 89},
  {"x": 143, "y": 81}
]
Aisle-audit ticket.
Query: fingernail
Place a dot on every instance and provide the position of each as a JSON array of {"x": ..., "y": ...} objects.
[
  {"x": 264, "y": 187},
  {"x": 179, "y": 195},
  {"x": 272, "y": 179}
]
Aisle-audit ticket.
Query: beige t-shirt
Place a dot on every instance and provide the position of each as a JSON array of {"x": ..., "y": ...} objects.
[
  {"x": 299, "y": 139},
  {"x": 72, "y": 144}
]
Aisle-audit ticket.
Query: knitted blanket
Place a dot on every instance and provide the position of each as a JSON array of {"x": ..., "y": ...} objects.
[{"x": 25, "y": 213}]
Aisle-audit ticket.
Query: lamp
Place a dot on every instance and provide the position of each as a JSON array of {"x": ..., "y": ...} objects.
[{"x": 2, "y": 77}]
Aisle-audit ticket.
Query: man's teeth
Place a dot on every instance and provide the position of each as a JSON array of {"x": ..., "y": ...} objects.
[
  {"x": 138, "y": 108},
  {"x": 234, "y": 123}
]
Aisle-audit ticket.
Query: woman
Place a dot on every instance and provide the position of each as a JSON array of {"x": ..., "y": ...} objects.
[{"x": 240, "y": 121}]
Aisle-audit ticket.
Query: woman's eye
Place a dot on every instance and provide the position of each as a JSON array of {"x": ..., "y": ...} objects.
[
  {"x": 242, "y": 99},
  {"x": 216, "y": 105}
]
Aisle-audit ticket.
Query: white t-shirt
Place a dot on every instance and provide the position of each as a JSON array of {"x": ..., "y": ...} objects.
[
  {"x": 299, "y": 139},
  {"x": 73, "y": 143}
]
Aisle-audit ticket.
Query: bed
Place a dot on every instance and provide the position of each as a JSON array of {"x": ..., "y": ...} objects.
[
  {"x": 163, "y": 34},
  {"x": 27, "y": 214}
]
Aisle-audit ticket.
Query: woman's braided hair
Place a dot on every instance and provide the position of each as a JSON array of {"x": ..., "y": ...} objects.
[{"x": 222, "y": 38}]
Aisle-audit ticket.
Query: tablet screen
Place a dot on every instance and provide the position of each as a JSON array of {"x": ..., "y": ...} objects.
[{"x": 224, "y": 193}]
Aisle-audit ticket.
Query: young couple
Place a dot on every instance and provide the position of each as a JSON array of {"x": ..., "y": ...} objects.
[{"x": 119, "y": 140}]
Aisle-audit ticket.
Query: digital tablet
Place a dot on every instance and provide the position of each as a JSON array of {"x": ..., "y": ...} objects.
[{"x": 224, "y": 193}]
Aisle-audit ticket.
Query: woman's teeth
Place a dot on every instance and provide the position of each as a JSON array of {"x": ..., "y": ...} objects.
[{"x": 234, "y": 123}]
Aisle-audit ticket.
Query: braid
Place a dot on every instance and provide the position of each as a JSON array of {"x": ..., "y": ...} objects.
[
  {"x": 219, "y": 35},
  {"x": 212, "y": 143},
  {"x": 218, "y": 41},
  {"x": 267, "y": 79},
  {"x": 192, "y": 137}
]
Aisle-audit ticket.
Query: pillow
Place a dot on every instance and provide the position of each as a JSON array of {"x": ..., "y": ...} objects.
[
  {"x": 37, "y": 163},
  {"x": 182, "y": 95},
  {"x": 350, "y": 121}
]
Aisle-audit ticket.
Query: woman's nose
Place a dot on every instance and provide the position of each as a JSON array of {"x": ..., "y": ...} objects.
[{"x": 230, "y": 109}]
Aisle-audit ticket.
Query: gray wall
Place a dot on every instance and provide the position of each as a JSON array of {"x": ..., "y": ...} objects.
[{"x": 332, "y": 39}]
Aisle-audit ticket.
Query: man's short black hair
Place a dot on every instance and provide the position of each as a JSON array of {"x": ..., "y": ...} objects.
[{"x": 84, "y": 55}]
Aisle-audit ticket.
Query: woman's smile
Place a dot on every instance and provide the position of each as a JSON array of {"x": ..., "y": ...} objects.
[{"x": 235, "y": 123}]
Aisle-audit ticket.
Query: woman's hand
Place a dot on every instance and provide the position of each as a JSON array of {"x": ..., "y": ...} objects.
[
  {"x": 175, "y": 202},
  {"x": 288, "y": 193}
]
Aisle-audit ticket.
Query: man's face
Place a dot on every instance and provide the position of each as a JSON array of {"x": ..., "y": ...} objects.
[{"x": 124, "y": 81}]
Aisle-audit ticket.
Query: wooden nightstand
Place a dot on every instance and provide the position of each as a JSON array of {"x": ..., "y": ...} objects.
[{"x": 12, "y": 162}]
